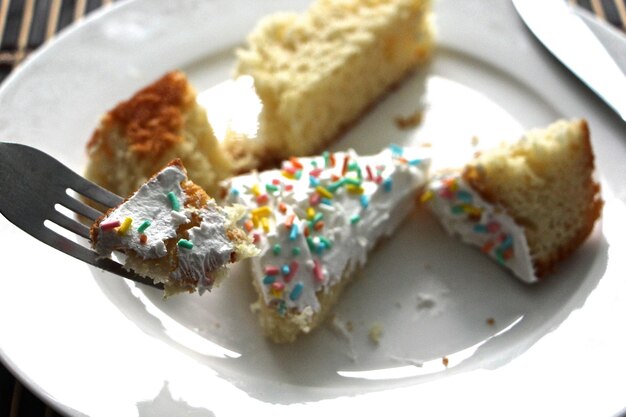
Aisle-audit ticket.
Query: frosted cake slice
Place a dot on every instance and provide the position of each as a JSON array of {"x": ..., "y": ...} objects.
[
  {"x": 529, "y": 204},
  {"x": 172, "y": 232},
  {"x": 315, "y": 220}
]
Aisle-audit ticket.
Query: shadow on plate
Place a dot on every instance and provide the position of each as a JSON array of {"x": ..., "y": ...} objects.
[{"x": 442, "y": 306}]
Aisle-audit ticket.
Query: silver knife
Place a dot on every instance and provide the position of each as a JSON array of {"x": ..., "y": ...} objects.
[{"x": 568, "y": 34}]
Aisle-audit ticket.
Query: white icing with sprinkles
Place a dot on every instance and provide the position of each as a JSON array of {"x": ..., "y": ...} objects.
[
  {"x": 463, "y": 212},
  {"x": 315, "y": 219}
]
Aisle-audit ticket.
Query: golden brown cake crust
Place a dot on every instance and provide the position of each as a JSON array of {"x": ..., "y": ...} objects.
[
  {"x": 151, "y": 120},
  {"x": 590, "y": 214}
]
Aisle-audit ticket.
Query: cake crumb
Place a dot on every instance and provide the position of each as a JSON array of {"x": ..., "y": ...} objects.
[
  {"x": 343, "y": 328},
  {"x": 491, "y": 321},
  {"x": 444, "y": 361},
  {"x": 376, "y": 332},
  {"x": 425, "y": 301},
  {"x": 475, "y": 140},
  {"x": 410, "y": 121}
]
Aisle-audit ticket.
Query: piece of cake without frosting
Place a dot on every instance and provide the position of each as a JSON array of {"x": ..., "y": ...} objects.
[
  {"x": 528, "y": 204},
  {"x": 315, "y": 220},
  {"x": 172, "y": 232},
  {"x": 159, "y": 123},
  {"x": 316, "y": 72}
]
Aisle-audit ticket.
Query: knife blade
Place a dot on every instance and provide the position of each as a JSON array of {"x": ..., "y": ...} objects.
[{"x": 562, "y": 30}]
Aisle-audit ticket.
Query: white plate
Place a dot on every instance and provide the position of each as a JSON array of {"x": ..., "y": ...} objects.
[{"x": 92, "y": 344}]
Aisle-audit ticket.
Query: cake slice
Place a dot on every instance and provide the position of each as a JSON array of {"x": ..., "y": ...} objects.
[
  {"x": 529, "y": 204},
  {"x": 172, "y": 232},
  {"x": 159, "y": 123},
  {"x": 315, "y": 220},
  {"x": 318, "y": 71}
]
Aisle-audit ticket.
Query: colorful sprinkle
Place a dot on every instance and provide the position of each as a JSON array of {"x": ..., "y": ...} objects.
[
  {"x": 293, "y": 233},
  {"x": 355, "y": 219},
  {"x": 262, "y": 199},
  {"x": 493, "y": 227},
  {"x": 262, "y": 211},
  {"x": 277, "y": 249},
  {"x": 344, "y": 169},
  {"x": 289, "y": 221},
  {"x": 285, "y": 270},
  {"x": 295, "y": 162},
  {"x": 269, "y": 279},
  {"x": 281, "y": 308},
  {"x": 333, "y": 187},
  {"x": 318, "y": 274},
  {"x": 271, "y": 270},
  {"x": 265, "y": 224},
  {"x": 295, "y": 251},
  {"x": 184, "y": 243},
  {"x": 464, "y": 196},
  {"x": 316, "y": 172},
  {"x": 387, "y": 184},
  {"x": 355, "y": 189},
  {"x": 323, "y": 192},
  {"x": 255, "y": 190},
  {"x": 234, "y": 192},
  {"x": 271, "y": 188},
  {"x": 427, "y": 196},
  {"x": 144, "y": 226},
  {"x": 293, "y": 268},
  {"x": 352, "y": 181},
  {"x": 364, "y": 201},
  {"x": 313, "y": 182},
  {"x": 318, "y": 216},
  {"x": 282, "y": 207},
  {"x": 277, "y": 288},
  {"x": 480, "y": 228},
  {"x": 110, "y": 225},
  {"x": 173, "y": 201},
  {"x": 124, "y": 226},
  {"x": 315, "y": 199},
  {"x": 296, "y": 291},
  {"x": 326, "y": 156},
  {"x": 143, "y": 238},
  {"x": 396, "y": 150}
]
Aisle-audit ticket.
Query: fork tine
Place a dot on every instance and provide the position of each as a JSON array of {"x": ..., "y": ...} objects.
[
  {"x": 32, "y": 182},
  {"x": 69, "y": 224},
  {"x": 93, "y": 191},
  {"x": 79, "y": 207},
  {"x": 72, "y": 248}
]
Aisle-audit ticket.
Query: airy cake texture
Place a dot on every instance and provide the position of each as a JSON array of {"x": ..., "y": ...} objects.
[
  {"x": 528, "y": 204},
  {"x": 159, "y": 123},
  {"x": 172, "y": 232},
  {"x": 318, "y": 71},
  {"x": 315, "y": 221}
]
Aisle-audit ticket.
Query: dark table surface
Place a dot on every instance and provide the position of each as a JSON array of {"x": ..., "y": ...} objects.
[{"x": 27, "y": 24}]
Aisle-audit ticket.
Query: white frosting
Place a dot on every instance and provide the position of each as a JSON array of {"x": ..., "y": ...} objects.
[
  {"x": 211, "y": 248},
  {"x": 463, "y": 212},
  {"x": 151, "y": 203},
  {"x": 341, "y": 229}
]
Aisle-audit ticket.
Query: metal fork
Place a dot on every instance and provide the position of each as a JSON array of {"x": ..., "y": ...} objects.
[{"x": 32, "y": 184}]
